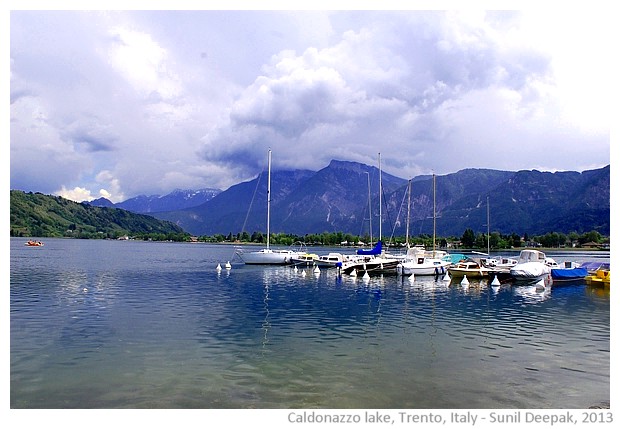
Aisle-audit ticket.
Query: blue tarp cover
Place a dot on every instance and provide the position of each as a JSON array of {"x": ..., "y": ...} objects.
[{"x": 568, "y": 273}]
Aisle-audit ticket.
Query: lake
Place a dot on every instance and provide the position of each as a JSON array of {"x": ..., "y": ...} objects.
[{"x": 128, "y": 324}]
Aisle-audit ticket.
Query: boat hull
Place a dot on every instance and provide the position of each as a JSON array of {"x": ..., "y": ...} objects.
[
  {"x": 430, "y": 269},
  {"x": 267, "y": 257},
  {"x": 372, "y": 267},
  {"x": 530, "y": 272},
  {"x": 566, "y": 274}
]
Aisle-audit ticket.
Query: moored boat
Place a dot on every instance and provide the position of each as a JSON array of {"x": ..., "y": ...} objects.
[
  {"x": 421, "y": 262},
  {"x": 531, "y": 268},
  {"x": 568, "y": 271},
  {"x": 469, "y": 267},
  {"x": 305, "y": 259},
  {"x": 331, "y": 260},
  {"x": 599, "y": 278},
  {"x": 267, "y": 256},
  {"x": 371, "y": 261}
]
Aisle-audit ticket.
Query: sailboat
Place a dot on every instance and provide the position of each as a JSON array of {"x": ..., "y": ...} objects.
[
  {"x": 268, "y": 256},
  {"x": 418, "y": 260},
  {"x": 375, "y": 260}
]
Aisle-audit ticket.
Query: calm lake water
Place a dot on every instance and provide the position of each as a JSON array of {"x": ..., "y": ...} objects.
[{"x": 125, "y": 324}]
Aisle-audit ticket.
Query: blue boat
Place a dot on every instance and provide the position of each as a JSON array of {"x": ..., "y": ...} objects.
[{"x": 568, "y": 271}]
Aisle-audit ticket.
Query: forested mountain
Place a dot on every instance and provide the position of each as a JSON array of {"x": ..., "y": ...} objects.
[
  {"x": 39, "y": 215},
  {"x": 335, "y": 199},
  {"x": 344, "y": 197}
]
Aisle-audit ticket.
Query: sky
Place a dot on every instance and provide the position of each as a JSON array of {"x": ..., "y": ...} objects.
[{"x": 119, "y": 103}]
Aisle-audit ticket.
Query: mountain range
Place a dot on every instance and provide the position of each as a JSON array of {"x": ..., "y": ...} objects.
[
  {"x": 176, "y": 200},
  {"x": 344, "y": 197}
]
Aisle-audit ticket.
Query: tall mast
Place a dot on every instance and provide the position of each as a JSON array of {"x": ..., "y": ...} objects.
[
  {"x": 380, "y": 191},
  {"x": 369, "y": 207},
  {"x": 268, "y": 194},
  {"x": 434, "y": 216},
  {"x": 408, "y": 213},
  {"x": 488, "y": 230}
]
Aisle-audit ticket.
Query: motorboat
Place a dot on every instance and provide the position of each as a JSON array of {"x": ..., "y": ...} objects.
[
  {"x": 568, "y": 271},
  {"x": 34, "y": 243},
  {"x": 305, "y": 259},
  {"x": 499, "y": 262},
  {"x": 331, "y": 260},
  {"x": 532, "y": 267},
  {"x": 469, "y": 267}
]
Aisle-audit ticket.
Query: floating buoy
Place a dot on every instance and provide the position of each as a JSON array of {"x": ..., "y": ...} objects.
[
  {"x": 228, "y": 266},
  {"x": 411, "y": 278},
  {"x": 366, "y": 275},
  {"x": 303, "y": 273},
  {"x": 495, "y": 282},
  {"x": 317, "y": 270},
  {"x": 219, "y": 267},
  {"x": 447, "y": 276},
  {"x": 354, "y": 273},
  {"x": 295, "y": 269},
  {"x": 464, "y": 282}
]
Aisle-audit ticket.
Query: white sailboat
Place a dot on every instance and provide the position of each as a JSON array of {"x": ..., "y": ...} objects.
[
  {"x": 419, "y": 261},
  {"x": 268, "y": 256}
]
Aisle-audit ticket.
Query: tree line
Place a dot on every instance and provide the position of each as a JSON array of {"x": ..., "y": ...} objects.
[{"x": 469, "y": 239}]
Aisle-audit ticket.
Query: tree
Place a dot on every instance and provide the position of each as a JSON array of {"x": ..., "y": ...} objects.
[{"x": 469, "y": 238}]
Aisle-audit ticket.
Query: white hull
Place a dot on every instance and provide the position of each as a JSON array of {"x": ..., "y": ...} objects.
[
  {"x": 268, "y": 257},
  {"x": 427, "y": 268}
]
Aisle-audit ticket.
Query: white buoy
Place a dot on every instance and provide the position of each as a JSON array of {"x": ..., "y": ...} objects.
[
  {"x": 464, "y": 282},
  {"x": 447, "y": 277},
  {"x": 219, "y": 267},
  {"x": 354, "y": 273},
  {"x": 412, "y": 278},
  {"x": 228, "y": 266},
  {"x": 295, "y": 268},
  {"x": 366, "y": 275},
  {"x": 317, "y": 270},
  {"x": 495, "y": 282},
  {"x": 303, "y": 273}
]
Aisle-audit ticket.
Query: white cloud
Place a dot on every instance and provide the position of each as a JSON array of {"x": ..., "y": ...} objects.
[{"x": 145, "y": 102}]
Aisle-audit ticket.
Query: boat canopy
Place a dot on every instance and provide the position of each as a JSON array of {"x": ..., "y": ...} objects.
[{"x": 374, "y": 251}]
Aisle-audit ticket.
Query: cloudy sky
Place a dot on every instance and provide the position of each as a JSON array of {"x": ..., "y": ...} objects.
[{"x": 122, "y": 103}]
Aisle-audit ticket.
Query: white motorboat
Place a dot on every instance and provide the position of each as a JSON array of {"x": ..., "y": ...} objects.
[{"x": 531, "y": 267}]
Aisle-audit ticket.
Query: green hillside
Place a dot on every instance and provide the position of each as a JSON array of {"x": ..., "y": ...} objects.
[{"x": 39, "y": 215}]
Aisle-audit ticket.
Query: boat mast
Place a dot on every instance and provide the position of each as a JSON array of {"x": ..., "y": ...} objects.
[
  {"x": 408, "y": 213},
  {"x": 434, "y": 216},
  {"x": 369, "y": 207},
  {"x": 380, "y": 191},
  {"x": 488, "y": 230},
  {"x": 268, "y": 193}
]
